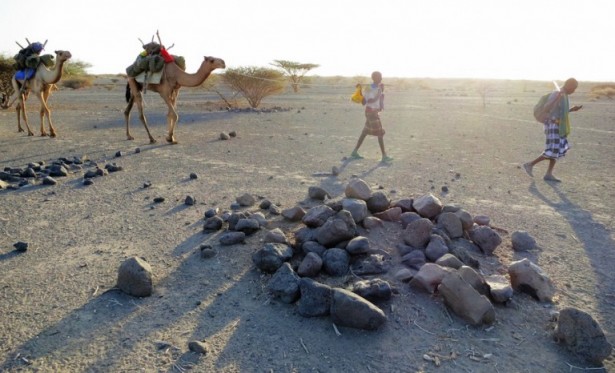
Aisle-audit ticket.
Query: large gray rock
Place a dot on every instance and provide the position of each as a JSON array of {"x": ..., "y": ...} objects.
[
  {"x": 486, "y": 238},
  {"x": 358, "y": 245},
  {"x": 405, "y": 204},
  {"x": 294, "y": 213},
  {"x": 248, "y": 226},
  {"x": 392, "y": 214},
  {"x": 134, "y": 277},
  {"x": 372, "y": 222},
  {"x": 315, "y": 192},
  {"x": 465, "y": 301},
  {"x": 414, "y": 259},
  {"x": 436, "y": 248},
  {"x": 522, "y": 241},
  {"x": 428, "y": 206},
  {"x": 315, "y": 298},
  {"x": 336, "y": 262},
  {"x": 451, "y": 223},
  {"x": 232, "y": 238},
  {"x": 246, "y": 200},
  {"x": 303, "y": 235},
  {"x": 310, "y": 265},
  {"x": 475, "y": 279},
  {"x": 499, "y": 288},
  {"x": 357, "y": 188},
  {"x": 466, "y": 251},
  {"x": 313, "y": 247},
  {"x": 272, "y": 256},
  {"x": 356, "y": 207},
  {"x": 418, "y": 233},
  {"x": 449, "y": 260},
  {"x": 378, "y": 202},
  {"x": 318, "y": 215},
  {"x": 276, "y": 235},
  {"x": 350, "y": 310},
  {"x": 467, "y": 222},
  {"x": 429, "y": 277},
  {"x": 284, "y": 284},
  {"x": 408, "y": 217},
  {"x": 341, "y": 227},
  {"x": 212, "y": 224},
  {"x": 373, "y": 290},
  {"x": 582, "y": 335},
  {"x": 527, "y": 276}
]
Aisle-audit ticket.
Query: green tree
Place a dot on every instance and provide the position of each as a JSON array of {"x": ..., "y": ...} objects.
[
  {"x": 76, "y": 75},
  {"x": 254, "y": 83},
  {"x": 295, "y": 71}
]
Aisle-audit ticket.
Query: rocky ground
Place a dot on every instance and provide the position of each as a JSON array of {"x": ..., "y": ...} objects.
[{"x": 60, "y": 310}]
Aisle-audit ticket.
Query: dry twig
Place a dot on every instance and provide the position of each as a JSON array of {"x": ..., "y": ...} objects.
[
  {"x": 304, "y": 347},
  {"x": 337, "y": 332}
]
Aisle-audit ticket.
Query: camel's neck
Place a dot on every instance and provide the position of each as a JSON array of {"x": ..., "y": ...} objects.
[
  {"x": 196, "y": 79},
  {"x": 54, "y": 75}
]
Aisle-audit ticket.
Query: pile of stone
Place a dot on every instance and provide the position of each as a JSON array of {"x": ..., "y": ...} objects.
[
  {"x": 13, "y": 178},
  {"x": 440, "y": 250}
]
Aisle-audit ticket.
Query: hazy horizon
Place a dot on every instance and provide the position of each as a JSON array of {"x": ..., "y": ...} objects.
[{"x": 480, "y": 39}]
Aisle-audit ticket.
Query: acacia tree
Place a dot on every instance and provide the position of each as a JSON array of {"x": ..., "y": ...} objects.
[
  {"x": 295, "y": 71},
  {"x": 254, "y": 83}
]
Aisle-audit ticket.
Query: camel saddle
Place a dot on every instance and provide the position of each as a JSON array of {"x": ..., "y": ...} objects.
[
  {"x": 153, "y": 78},
  {"x": 24, "y": 74}
]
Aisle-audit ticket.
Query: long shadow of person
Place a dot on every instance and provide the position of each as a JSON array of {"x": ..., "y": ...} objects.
[{"x": 597, "y": 242}]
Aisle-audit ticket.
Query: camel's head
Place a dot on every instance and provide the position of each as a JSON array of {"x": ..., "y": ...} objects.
[
  {"x": 215, "y": 63},
  {"x": 63, "y": 55}
]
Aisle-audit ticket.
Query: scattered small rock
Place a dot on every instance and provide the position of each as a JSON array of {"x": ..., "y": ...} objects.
[{"x": 20, "y": 246}]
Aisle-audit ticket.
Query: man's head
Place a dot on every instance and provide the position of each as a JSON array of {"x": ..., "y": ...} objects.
[
  {"x": 377, "y": 77},
  {"x": 570, "y": 86}
]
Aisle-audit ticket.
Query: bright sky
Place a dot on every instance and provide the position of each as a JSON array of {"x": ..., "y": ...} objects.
[{"x": 521, "y": 39}]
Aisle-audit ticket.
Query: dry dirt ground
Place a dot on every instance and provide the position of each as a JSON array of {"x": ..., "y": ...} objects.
[{"x": 57, "y": 315}]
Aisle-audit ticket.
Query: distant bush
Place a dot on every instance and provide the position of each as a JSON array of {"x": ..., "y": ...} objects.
[
  {"x": 255, "y": 83},
  {"x": 606, "y": 90},
  {"x": 76, "y": 76},
  {"x": 77, "y": 82}
]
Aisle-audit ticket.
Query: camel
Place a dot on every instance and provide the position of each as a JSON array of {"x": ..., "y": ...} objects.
[
  {"x": 41, "y": 85},
  {"x": 173, "y": 78}
]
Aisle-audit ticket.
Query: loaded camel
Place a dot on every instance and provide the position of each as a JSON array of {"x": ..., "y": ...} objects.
[
  {"x": 173, "y": 78},
  {"x": 41, "y": 85}
]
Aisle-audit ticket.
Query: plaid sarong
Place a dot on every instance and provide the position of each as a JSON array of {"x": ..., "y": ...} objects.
[
  {"x": 556, "y": 146},
  {"x": 373, "y": 126}
]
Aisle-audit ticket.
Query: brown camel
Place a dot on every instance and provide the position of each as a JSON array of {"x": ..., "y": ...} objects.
[
  {"x": 41, "y": 86},
  {"x": 173, "y": 78}
]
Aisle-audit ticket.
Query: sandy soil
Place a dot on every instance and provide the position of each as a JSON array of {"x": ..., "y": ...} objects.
[{"x": 56, "y": 310}]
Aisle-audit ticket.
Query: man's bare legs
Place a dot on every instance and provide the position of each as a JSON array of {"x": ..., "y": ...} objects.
[{"x": 549, "y": 175}]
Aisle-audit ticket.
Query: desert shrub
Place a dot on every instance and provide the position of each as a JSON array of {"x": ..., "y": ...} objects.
[
  {"x": 606, "y": 90},
  {"x": 77, "y": 82},
  {"x": 76, "y": 75},
  {"x": 254, "y": 83},
  {"x": 295, "y": 71},
  {"x": 6, "y": 63}
]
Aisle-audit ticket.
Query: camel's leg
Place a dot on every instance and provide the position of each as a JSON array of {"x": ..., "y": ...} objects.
[
  {"x": 18, "y": 112},
  {"x": 21, "y": 108},
  {"x": 39, "y": 96},
  {"x": 139, "y": 101},
  {"x": 172, "y": 117},
  {"x": 45, "y": 112},
  {"x": 127, "y": 118}
]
